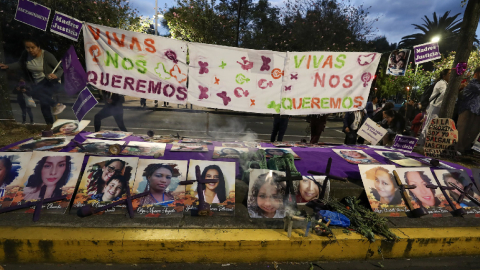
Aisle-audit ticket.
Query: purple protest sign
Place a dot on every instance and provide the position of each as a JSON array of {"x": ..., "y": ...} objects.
[
  {"x": 66, "y": 26},
  {"x": 404, "y": 143},
  {"x": 426, "y": 52},
  {"x": 73, "y": 72},
  {"x": 84, "y": 103},
  {"x": 32, "y": 14}
]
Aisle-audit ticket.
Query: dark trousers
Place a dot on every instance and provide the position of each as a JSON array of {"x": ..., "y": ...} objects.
[
  {"x": 25, "y": 109},
  {"x": 279, "y": 127},
  {"x": 468, "y": 128},
  {"x": 350, "y": 138},
  {"x": 43, "y": 91},
  {"x": 143, "y": 102},
  {"x": 317, "y": 126},
  {"x": 109, "y": 110}
]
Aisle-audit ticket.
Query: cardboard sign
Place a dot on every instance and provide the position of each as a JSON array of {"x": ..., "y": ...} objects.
[
  {"x": 404, "y": 143},
  {"x": 442, "y": 135},
  {"x": 426, "y": 52},
  {"x": 66, "y": 26},
  {"x": 371, "y": 131},
  {"x": 84, "y": 103},
  {"x": 32, "y": 14}
]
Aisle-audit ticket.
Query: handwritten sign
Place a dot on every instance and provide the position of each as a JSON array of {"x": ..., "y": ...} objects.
[
  {"x": 84, "y": 103},
  {"x": 136, "y": 64},
  {"x": 371, "y": 131},
  {"x": 66, "y": 26},
  {"x": 404, "y": 143},
  {"x": 32, "y": 14},
  {"x": 326, "y": 82},
  {"x": 442, "y": 135}
]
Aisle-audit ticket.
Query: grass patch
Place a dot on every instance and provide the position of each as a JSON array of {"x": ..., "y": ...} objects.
[{"x": 11, "y": 132}]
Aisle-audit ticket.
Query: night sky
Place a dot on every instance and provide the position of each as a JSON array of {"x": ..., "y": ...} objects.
[{"x": 395, "y": 17}]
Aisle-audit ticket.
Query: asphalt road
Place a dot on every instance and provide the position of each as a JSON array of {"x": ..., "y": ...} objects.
[
  {"x": 411, "y": 264},
  {"x": 235, "y": 127}
]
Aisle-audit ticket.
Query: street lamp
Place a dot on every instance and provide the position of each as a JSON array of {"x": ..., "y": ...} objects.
[{"x": 436, "y": 39}]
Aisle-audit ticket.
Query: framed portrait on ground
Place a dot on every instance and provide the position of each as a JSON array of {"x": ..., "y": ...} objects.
[
  {"x": 43, "y": 144},
  {"x": 66, "y": 127},
  {"x": 460, "y": 180},
  {"x": 431, "y": 198},
  {"x": 189, "y": 147},
  {"x": 198, "y": 141},
  {"x": 96, "y": 147},
  {"x": 105, "y": 180},
  {"x": 233, "y": 144},
  {"x": 401, "y": 159},
  {"x": 144, "y": 149},
  {"x": 270, "y": 152},
  {"x": 252, "y": 144},
  {"x": 265, "y": 195},
  {"x": 227, "y": 152},
  {"x": 12, "y": 168},
  {"x": 55, "y": 172},
  {"x": 283, "y": 144},
  {"x": 110, "y": 135},
  {"x": 310, "y": 188},
  {"x": 382, "y": 190},
  {"x": 161, "y": 179},
  {"x": 220, "y": 195},
  {"x": 355, "y": 156}
]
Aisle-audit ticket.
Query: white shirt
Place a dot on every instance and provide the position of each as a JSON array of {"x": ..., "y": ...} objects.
[
  {"x": 35, "y": 66},
  {"x": 215, "y": 200},
  {"x": 278, "y": 214},
  {"x": 440, "y": 88},
  {"x": 358, "y": 119}
]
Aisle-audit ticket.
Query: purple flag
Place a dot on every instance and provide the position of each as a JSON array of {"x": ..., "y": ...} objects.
[
  {"x": 426, "y": 52},
  {"x": 404, "y": 143},
  {"x": 32, "y": 14},
  {"x": 73, "y": 72},
  {"x": 84, "y": 103},
  {"x": 66, "y": 26}
]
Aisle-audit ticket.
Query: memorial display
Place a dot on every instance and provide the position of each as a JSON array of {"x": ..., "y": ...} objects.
[
  {"x": 310, "y": 188},
  {"x": 65, "y": 127},
  {"x": 400, "y": 159},
  {"x": 265, "y": 194},
  {"x": 356, "y": 156},
  {"x": 43, "y": 144},
  {"x": 95, "y": 147},
  {"x": 110, "y": 135},
  {"x": 144, "y": 149},
  {"x": 228, "y": 152},
  {"x": 271, "y": 152},
  {"x": 189, "y": 147}
]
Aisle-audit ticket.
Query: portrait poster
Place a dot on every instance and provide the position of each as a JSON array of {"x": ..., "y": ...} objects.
[
  {"x": 96, "y": 147},
  {"x": 283, "y": 144},
  {"x": 233, "y": 144},
  {"x": 441, "y": 165},
  {"x": 12, "y": 168},
  {"x": 105, "y": 180},
  {"x": 144, "y": 149},
  {"x": 398, "y": 62},
  {"x": 234, "y": 78},
  {"x": 220, "y": 195},
  {"x": 57, "y": 172},
  {"x": 110, "y": 135},
  {"x": 432, "y": 199},
  {"x": 192, "y": 140},
  {"x": 160, "y": 178},
  {"x": 189, "y": 147},
  {"x": 356, "y": 156},
  {"x": 66, "y": 127},
  {"x": 271, "y": 152},
  {"x": 252, "y": 144},
  {"x": 136, "y": 64},
  {"x": 400, "y": 159},
  {"x": 460, "y": 179},
  {"x": 310, "y": 188},
  {"x": 382, "y": 190},
  {"x": 161, "y": 139},
  {"x": 265, "y": 195},
  {"x": 228, "y": 152},
  {"x": 43, "y": 144}
]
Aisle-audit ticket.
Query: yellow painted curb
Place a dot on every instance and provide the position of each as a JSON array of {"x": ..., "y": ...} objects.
[{"x": 131, "y": 245}]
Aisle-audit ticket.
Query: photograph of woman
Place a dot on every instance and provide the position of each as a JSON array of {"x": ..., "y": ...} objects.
[
  {"x": 113, "y": 191},
  {"x": 221, "y": 192},
  {"x": 65, "y": 127},
  {"x": 460, "y": 179},
  {"x": 109, "y": 135},
  {"x": 43, "y": 144},
  {"x": 308, "y": 190},
  {"x": 95, "y": 147},
  {"x": 356, "y": 156},
  {"x": 271, "y": 152},
  {"x": 397, "y": 62},
  {"x": 265, "y": 196},
  {"x": 227, "y": 152},
  {"x": 189, "y": 147},
  {"x": 12, "y": 169},
  {"x": 400, "y": 159},
  {"x": 144, "y": 149},
  {"x": 99, "y": 173},
  {"x": 54, "y": 173}
]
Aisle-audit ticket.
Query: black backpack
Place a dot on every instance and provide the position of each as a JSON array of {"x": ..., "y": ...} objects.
[{"x": 427, "y": 93}]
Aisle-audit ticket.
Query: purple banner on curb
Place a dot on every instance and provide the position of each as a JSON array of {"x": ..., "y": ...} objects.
[
  {"x": 66, "y": 26},
  {"x": 85, "y": 102},
  {"x": 426, "y": 52},
  {"x": 32, "y": 14},
  {"x": 73, "y": 72},
  {"x": 405, "y": 143}
]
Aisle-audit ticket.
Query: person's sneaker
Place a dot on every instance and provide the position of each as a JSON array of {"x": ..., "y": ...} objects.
[
  {"x": 23, "y": 123},
  {"x": 58, "y": 109},
  {"x": 32, "y": 123}
]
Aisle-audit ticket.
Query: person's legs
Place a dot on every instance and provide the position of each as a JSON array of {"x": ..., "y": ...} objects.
[
  {"x": 143, "y": 102},
  {"x": 314, "y": 130},
  {"x": 30, "y": 114},
  {"x": 276, "y": 128},
  {"x": 282, "y": 128},
  {"x": 350, "y": 138},
  {"x": 23, "y": 107},
  {"x": 47, "y": 113},
  {"x": 43, "y": 92},
  {"x": 117, "y": 113},
  {"x": 468, "y": 129},
  {"x": 103, "y": 113}
]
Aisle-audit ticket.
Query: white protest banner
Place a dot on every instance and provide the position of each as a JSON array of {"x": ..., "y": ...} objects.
[
  {"x": 327, "y": 82},
  {"x": 234, "y": 79},
  {"x": 136, "y": 64},
  {"x": 371, "y": 131}
]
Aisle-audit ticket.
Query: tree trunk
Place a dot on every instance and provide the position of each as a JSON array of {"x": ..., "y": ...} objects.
[
  {"x": 465, "y": 45},
  {"x": 5, "y": 106}
]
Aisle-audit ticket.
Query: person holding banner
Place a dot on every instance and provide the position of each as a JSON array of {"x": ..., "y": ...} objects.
[
  {"x": 113, "y": 107},
  {"x": 42, "y": 73}
]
